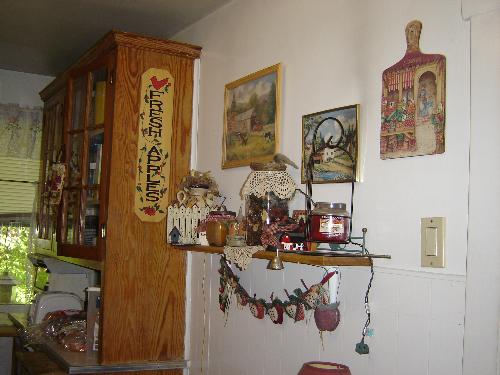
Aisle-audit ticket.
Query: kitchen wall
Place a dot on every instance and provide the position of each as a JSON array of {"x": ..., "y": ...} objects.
[
  {"x": 333, "y": 54},
  {"x": 482, "y": 324},
  {"x": 22, "y": 88}
]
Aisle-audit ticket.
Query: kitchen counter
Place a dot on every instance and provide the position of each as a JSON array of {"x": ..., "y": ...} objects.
[{"x": 87, "y": 362}]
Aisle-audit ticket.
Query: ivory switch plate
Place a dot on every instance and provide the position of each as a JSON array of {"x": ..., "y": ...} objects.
[{"x": 432, "y": 235}]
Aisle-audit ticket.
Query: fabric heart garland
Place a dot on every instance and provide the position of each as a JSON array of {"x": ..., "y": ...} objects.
[{"x": 314, "y": 297}]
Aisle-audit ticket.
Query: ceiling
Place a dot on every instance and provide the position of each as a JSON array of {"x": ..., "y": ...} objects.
[{"x": 45, "y": 36}]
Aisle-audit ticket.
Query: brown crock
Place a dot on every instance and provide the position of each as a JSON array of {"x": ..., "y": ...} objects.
[{"x": 323, "y": 368}]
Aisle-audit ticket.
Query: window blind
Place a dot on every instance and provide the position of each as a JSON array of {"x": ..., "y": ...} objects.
[{"x": 20, "y": 140}]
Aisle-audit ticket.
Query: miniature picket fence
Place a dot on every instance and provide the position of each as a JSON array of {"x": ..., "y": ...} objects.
[{"x": 186, "y": 220}]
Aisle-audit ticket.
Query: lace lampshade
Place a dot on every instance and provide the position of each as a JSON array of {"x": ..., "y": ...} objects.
[{"x": 259, "y": 183}]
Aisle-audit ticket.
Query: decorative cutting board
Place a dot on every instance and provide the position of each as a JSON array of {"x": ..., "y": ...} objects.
[{"x": 413, "y": 102}]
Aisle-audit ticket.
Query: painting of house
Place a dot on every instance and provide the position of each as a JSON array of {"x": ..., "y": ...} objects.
[
  {"x": 334, "y": 135},
  {"x": 327, "y": 155}
]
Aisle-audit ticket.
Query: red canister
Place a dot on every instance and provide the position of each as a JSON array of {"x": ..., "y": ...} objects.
[
  {"x": 330, "y": 222},
  {"x": 323, "y": 368}
]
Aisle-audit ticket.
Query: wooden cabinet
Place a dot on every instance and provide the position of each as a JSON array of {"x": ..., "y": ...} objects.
[{"x": 142, "y": 277}]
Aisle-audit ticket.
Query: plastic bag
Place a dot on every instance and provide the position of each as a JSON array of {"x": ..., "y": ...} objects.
[{"x": 67, "y": 327}]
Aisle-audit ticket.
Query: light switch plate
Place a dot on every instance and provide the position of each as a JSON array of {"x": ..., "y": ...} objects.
[{"x": 432, "y": 235}]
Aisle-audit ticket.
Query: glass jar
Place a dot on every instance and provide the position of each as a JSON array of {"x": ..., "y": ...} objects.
[
  {"x": 261, "y": 211},
  {"x": 216, "y": 233},
  {"x": 330, "y": 222},
  {"x": 236, "y": 235},
  {"x": 216, "y": 225}
]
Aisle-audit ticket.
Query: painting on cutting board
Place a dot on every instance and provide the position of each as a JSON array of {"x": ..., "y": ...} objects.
[{"x": 413, "y": 102}]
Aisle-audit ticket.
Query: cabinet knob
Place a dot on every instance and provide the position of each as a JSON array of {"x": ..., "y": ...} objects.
[{"x": 103, "y": 231}]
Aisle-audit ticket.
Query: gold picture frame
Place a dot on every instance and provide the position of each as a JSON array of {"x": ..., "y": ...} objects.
[{"x": 252, "y": 118}]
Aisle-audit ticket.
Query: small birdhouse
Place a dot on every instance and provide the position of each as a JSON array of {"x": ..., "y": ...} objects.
[{"x": 174, "y": 235}]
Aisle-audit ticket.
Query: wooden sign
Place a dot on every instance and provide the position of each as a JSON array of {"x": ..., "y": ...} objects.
[
  {"x": 413, "y": 102},
  {"x": 154, "y": 144}
]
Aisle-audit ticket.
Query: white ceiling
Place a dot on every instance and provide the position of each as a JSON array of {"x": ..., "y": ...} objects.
[{"x": 45, "y": 36}]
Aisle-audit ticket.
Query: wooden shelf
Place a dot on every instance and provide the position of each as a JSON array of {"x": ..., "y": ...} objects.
[
  {"x": 317, "y": 260},
  {"x": 92, "y": 264}
]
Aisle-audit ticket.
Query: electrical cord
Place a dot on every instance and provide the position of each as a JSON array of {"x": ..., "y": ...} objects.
[
  {"x": 361, "y": 347},
  {"x": 305, "y": 195},
  {"x": 367, "y": 306}
]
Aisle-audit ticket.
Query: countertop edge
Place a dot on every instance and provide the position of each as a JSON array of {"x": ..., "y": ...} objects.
[
  {"x": 58, "y": 355},
  {"x": 128, "y": 367}
]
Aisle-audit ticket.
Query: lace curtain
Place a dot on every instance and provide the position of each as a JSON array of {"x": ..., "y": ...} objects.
[{"x": 20, "y": 131}]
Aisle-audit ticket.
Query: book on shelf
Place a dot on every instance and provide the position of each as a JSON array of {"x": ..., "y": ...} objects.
[
  {"x": 95, "y": 164},
  {"x": 98, "y": 163}
]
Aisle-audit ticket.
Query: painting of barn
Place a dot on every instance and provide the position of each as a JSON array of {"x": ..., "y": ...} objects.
[{"x": 251, "y": 118}]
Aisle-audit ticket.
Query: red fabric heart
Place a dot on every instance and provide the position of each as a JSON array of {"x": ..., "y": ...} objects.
[{"x": 158, "y": 84}]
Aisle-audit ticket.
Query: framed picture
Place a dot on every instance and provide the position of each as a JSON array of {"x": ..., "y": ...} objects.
[
  {"x": 335, "y": 133},
  {"x": 300, "y": 215},
  {"x": 252, "y": 118}
]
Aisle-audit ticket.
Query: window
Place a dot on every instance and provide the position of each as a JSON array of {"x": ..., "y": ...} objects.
[
  {"x": 20, "y": 143},
  {"x": 14, "y": 245}
]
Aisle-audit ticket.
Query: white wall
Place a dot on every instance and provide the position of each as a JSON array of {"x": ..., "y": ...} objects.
[
  {"x": 22, "y": 88},
  {"x": 482, "y": 334},
  {"x": 333, "y": 54}
]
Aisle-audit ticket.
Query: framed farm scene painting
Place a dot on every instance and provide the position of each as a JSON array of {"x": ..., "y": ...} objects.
[
  {"x": 251, "y": 118},
  {"x": 333, "y": 136}
]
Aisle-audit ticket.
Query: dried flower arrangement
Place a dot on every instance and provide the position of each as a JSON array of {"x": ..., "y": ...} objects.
[{"x": 196, "y": 179}]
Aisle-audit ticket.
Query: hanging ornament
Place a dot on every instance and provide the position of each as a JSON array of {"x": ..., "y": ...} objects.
[
  {"x": 242, "y": 297},
  {"x": 258, "y": 307},
  {"x": 327, "y": 317},
  {"x": 294, "y": 308},
  {"x": 317, "y": 294},
  {"x": 275, "y": 310}
]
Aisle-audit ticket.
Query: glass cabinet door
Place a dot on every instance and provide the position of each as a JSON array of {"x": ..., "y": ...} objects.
[
  {"x": 46, "y": 159},
  {"x": 85, "y": 135},
  {"x": 79, "y": 102},
  {"x": 52, "y": 152}
]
